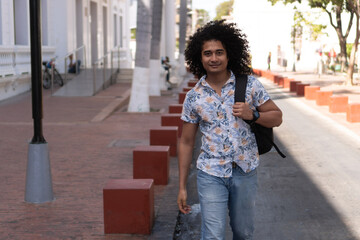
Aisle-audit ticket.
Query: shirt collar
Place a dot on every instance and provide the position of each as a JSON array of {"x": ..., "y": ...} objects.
[{"x": 231, "y": 80}]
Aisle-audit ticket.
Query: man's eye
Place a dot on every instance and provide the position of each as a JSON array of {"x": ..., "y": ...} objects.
[{"x": 220, "y": 53}]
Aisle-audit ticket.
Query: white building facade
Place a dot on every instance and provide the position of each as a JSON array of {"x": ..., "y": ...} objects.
[
  {"x": 90, "y": 29},
  {"x": 269, "y": 30}
]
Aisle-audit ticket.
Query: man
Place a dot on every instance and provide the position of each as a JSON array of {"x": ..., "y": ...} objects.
[
  {"x": 72, "y": 65},
  {"x": 227, "y": 179}
]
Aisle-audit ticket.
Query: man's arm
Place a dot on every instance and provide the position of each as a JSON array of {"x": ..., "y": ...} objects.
[
  {"x": 270, "y": 114},
  {"x": 185, "y": 153}
]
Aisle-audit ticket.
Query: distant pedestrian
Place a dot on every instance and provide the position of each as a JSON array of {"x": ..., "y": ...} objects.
[
  {"x": 269, "y": 60},
  {"x": 166, "y": 65},
  {"x": 226, "y": 175},
  {"x": 74, "y": 66}
]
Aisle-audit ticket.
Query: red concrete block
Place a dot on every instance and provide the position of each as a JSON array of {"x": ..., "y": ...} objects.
[
  {"x": 353, "y": 112},
  {"x": 310, "y": 92},
  {"x": 192, "y": 83},
  {"x": 287, "y": 82},
  {"x": 323, "y": 97},
  {"x": 266, "y": 74},
  {"x": 338, "y": 104},
  {"x": 300, "y": 88},
  {"x": 271, "y": 76},
  {"x": 186, "y": 89},
  {"x": 257, "y": 72},
  {"x": 277, "y": 79},
  {"x": 175, "y": 108},
  {"x": 172, "y": 119},
  {"x": 182, "y": 96},
  {"x": 165, "y": 136},
  {"x": 293, "y": 85},
  {"x": 128, "y": 206},
  {"x": 151, "y": 162},
  {"x": 280, "y": 81}
]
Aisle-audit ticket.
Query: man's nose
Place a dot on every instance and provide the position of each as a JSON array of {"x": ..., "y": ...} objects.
[{"x": 213, "y": 57}]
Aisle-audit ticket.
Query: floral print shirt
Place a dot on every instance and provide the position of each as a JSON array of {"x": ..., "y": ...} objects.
[{"x": 225, "y": 138}]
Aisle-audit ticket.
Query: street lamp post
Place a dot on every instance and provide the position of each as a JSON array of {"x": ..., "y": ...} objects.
[{"x": 38, "y": 172}]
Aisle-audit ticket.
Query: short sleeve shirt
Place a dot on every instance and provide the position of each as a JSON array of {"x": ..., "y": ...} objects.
[{"x": 225, "y": 138}]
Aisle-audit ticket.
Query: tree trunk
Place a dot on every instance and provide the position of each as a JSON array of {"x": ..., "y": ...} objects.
[
  {"x": 350, "y": 73},
  {"x": 182, "y": 36},
  {"x": 342, "y": 39},
  {"x": 139, "y": 99},
  {"x": 343, "y": 54},
  {"x": 339, "y": 32},
  {"x": 155, "y": 62}
]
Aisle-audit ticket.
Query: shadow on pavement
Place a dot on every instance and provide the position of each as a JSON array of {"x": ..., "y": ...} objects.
[{"x": 289, "y": 205}]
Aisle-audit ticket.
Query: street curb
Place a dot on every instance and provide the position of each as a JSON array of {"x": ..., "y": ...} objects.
[{"x": 112, "y": 107}]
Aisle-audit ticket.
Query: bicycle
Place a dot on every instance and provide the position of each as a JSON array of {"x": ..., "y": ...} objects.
[{"x": 48, "y": 66}]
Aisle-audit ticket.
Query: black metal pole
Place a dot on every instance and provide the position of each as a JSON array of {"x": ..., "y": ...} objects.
[{"x": 36, "y": 70}]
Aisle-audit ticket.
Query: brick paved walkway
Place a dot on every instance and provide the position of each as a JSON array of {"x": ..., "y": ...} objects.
[{"x": 84, "y": 155}]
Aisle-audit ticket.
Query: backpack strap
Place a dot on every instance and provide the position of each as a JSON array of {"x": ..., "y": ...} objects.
[{"x": 240, "y": 90}]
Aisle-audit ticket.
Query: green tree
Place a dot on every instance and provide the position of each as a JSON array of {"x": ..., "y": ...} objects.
[
  {"x": 316, "y": 30},
  {"x": 224, "y": 9},
  {"x": 334, "y": 9},
  {"x": 299, "y": 24},
  {"x": 203, "y": 17},
  {"x": 350, "y": 73}
]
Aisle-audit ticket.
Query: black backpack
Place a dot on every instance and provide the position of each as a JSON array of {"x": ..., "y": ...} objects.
[{"x": 264, "y": 136}]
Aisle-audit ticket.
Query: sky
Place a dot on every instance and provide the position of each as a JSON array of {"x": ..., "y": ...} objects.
[{"x": 208, "y": 5}]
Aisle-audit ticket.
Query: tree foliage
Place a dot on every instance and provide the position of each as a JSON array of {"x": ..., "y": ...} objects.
[
  {"x": 334, "y": 10},
  {"x": 224, "y": 9},
  {"x": 203, "y": 17},
  {"x": 307, "y": 19}
]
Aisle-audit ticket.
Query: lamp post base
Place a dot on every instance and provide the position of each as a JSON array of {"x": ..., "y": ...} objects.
[{"x": 38, "y": 175}]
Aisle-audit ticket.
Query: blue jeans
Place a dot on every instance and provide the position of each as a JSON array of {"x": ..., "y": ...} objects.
[{"x": 217, "y": 195}]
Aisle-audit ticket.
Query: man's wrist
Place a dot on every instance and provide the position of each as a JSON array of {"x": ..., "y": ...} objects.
[{"x": 256, "y": 116}]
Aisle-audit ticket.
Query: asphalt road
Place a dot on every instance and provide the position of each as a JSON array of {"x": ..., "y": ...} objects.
[{"x": 314, "y": 193}]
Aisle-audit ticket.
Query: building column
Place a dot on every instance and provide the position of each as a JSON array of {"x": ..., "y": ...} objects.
[
  {"x": 7, "y": 22},
  {"x": 170, "y": 12}
]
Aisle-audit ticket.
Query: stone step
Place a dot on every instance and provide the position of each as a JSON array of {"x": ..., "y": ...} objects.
[{"x": 125, "y": 75}]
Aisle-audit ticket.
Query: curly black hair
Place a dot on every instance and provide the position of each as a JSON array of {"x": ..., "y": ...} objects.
[{"x": 233, "y": 40}]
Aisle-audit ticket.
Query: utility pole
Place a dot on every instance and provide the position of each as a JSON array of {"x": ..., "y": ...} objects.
[{"x": 38, "y": 172}]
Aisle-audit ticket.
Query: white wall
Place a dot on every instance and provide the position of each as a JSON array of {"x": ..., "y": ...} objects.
[{"x": 268, "y": 26}]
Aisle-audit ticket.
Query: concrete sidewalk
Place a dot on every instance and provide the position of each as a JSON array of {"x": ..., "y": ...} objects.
[{"x": 90, "y": 141}]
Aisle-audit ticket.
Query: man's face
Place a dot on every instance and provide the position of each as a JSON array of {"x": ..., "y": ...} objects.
[{"x": 214, "y": 57}]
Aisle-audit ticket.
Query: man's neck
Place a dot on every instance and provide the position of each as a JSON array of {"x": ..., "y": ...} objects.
[{"x": 218, "y": 79}]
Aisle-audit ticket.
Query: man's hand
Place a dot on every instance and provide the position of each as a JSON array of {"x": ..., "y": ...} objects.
[
  {"x": 181, "y": 201},
  {"x": 242, "y": 110}
]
